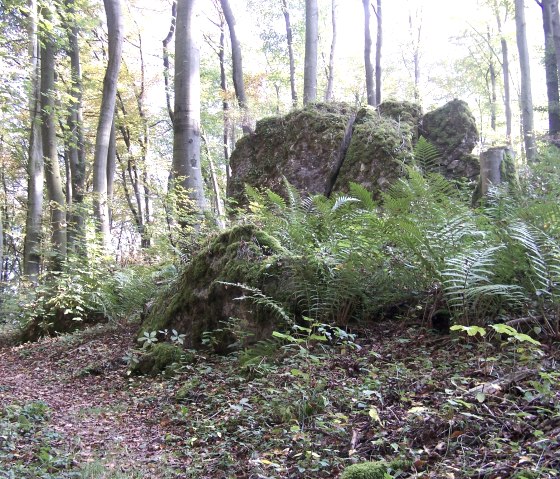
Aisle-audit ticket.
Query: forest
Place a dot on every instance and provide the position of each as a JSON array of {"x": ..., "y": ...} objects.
[{"x": 279, "y": 239}]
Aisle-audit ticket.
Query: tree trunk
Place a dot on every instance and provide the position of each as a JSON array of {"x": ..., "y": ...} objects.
[
  {"x": 330, "y": 76},
  {"x": 505, "y": 74},
  {"x": 223, "y": 86},
  {"x": 76, "y": 150},
  {"x": 111, "y": 168},
  {"x": 494, "y": 167},
  {"x": 220, "y": 213},
  {"x": 102, "y": 141},
  {"x": 289, "y": 39},
  {"x": 551, "y": 69},
  {"x": 526, "y": 99},
  {"x": 370, "y": 87},
  {"x": 555, "y": 26},
  {"x": 237, "y": 67},
  {"x": 32, "y": 241},
  {"x": 186, "y": 168},
  {"x": 378, "y": 47},
  {"x": 416, "y": 36},
  {"x": 311, "y": 51},
  {"x": 166, "y": 42},
  {"x": 50, "y": 152}
]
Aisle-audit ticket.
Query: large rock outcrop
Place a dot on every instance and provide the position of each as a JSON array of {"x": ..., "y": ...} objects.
[
  {"x": 452, "y": 130},
  {"x": 323, "y": 147},
  {"x": 302, "y": 146}
]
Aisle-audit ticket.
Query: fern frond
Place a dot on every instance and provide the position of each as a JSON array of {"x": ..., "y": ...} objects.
[
  {"x": 543, "y": 253},
  {"x": 342, "y": 201},
  {"x": 363, "y": 195},
  {"x": 294, "y": 198},
  {"x": 275, "y": 199},
  {"x": 426, "y": 156}
]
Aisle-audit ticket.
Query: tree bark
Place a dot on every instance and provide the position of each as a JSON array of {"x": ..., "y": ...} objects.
[
  {"x": 492, "y": 87},
  {"x": 311, "y": 51},
  {"x": 370, "y": 87},
  {"x": 551, "y": 69},
  {"x": 102, "y": 141},
  {"x": 555, "y": 26},
  {"x": 50, "y": 152},
  {"x": 224, "y": 88},
  {"x": 237, "y": 67},
  {"x": 35, "y": 175},
  {"x": 76, "y": 150},
  {"x": 492, "y": 167},
  {"x": 330, "y": 71},
  {"x": 505, "y": 74},
  {"x": 290, "y": 41},
  {"x": 378, "y": 47},
  {"x": 166, "y": 42},
  {"x": 526, "y": 99},
  {"x": 186, "y": 168}
]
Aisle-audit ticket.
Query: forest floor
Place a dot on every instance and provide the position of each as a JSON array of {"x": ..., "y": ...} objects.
[{"x": 443, "y": 406}]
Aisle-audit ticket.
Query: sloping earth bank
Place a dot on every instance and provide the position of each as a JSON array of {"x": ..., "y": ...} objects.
[{"x": 446, "y": 407}]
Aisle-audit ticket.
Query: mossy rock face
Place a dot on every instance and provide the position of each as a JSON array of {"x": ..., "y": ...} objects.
[
  {"x": 161, "y": 357},
  {"x": 199, "y": 302},
  {"x": 452, "y": 130},
  {"x": 301, "y": 146},
  {"x": 402, "y": 112},
  {"x": 377, "y": 150},
  {"x": 57, "y": 323},
  {"x": 365, "y": 470}
]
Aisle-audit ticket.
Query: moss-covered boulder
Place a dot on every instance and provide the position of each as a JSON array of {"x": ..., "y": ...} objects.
[
  {"x": 402, "y": 112},
  {"x": 365, "y": 470},
  {"x": 199, "y": 302},
  {"x": 452, "y": 129},
  {"x": 377, "y": 150},
  {"x": 56, "y": 322},
  {"x": 302, "y": 146},
  {"x": 160, "y": 358}
]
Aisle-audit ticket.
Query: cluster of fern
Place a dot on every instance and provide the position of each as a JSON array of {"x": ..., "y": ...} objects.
[{"x": 422, "y": 244}]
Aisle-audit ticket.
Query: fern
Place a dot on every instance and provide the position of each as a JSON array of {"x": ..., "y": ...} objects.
[
  {"x": 426, "y": 156},
  {"x": 469, "y": 288},
  {"x": 363, "y": 195},
  {"x": 543, "y": 254}
]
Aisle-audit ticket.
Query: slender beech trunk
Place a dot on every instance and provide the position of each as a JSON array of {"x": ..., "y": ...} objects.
[
  {"x": 111, "y": 168},
  {"x": 330, "y": 71},
  {"x": 492, "y": 83},
  {"x": 35, "y": 176},
  {"x": 237, "y": 67},
  {"x": 223, "y": 86},
  {"x": 166, "y": 42},
  {"x": 526, "y": 99},
  {"x": 311, "y": 51},
  {"x": 505, "y": 74},
  {"x": 555, "y": 25},
  {"x": 50, "y": 152},
  {"x": 186, "y": 168},
  {"x": 370, "y": 87},
  {"x": 416, "y": 37},
  {"x": 103, "y": 137},
  {"x": 551, "y": 69},
  {"x": 378, "y": 47},
  {"x": 220, "y": 213},
  {"x": 290, "y": 41},
  {"x": 76, "y": 151}
]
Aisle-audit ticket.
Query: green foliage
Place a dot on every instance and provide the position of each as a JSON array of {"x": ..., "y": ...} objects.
[
  {"x": 426, "y": 156},
  {"x": 366, "y": 470}
]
